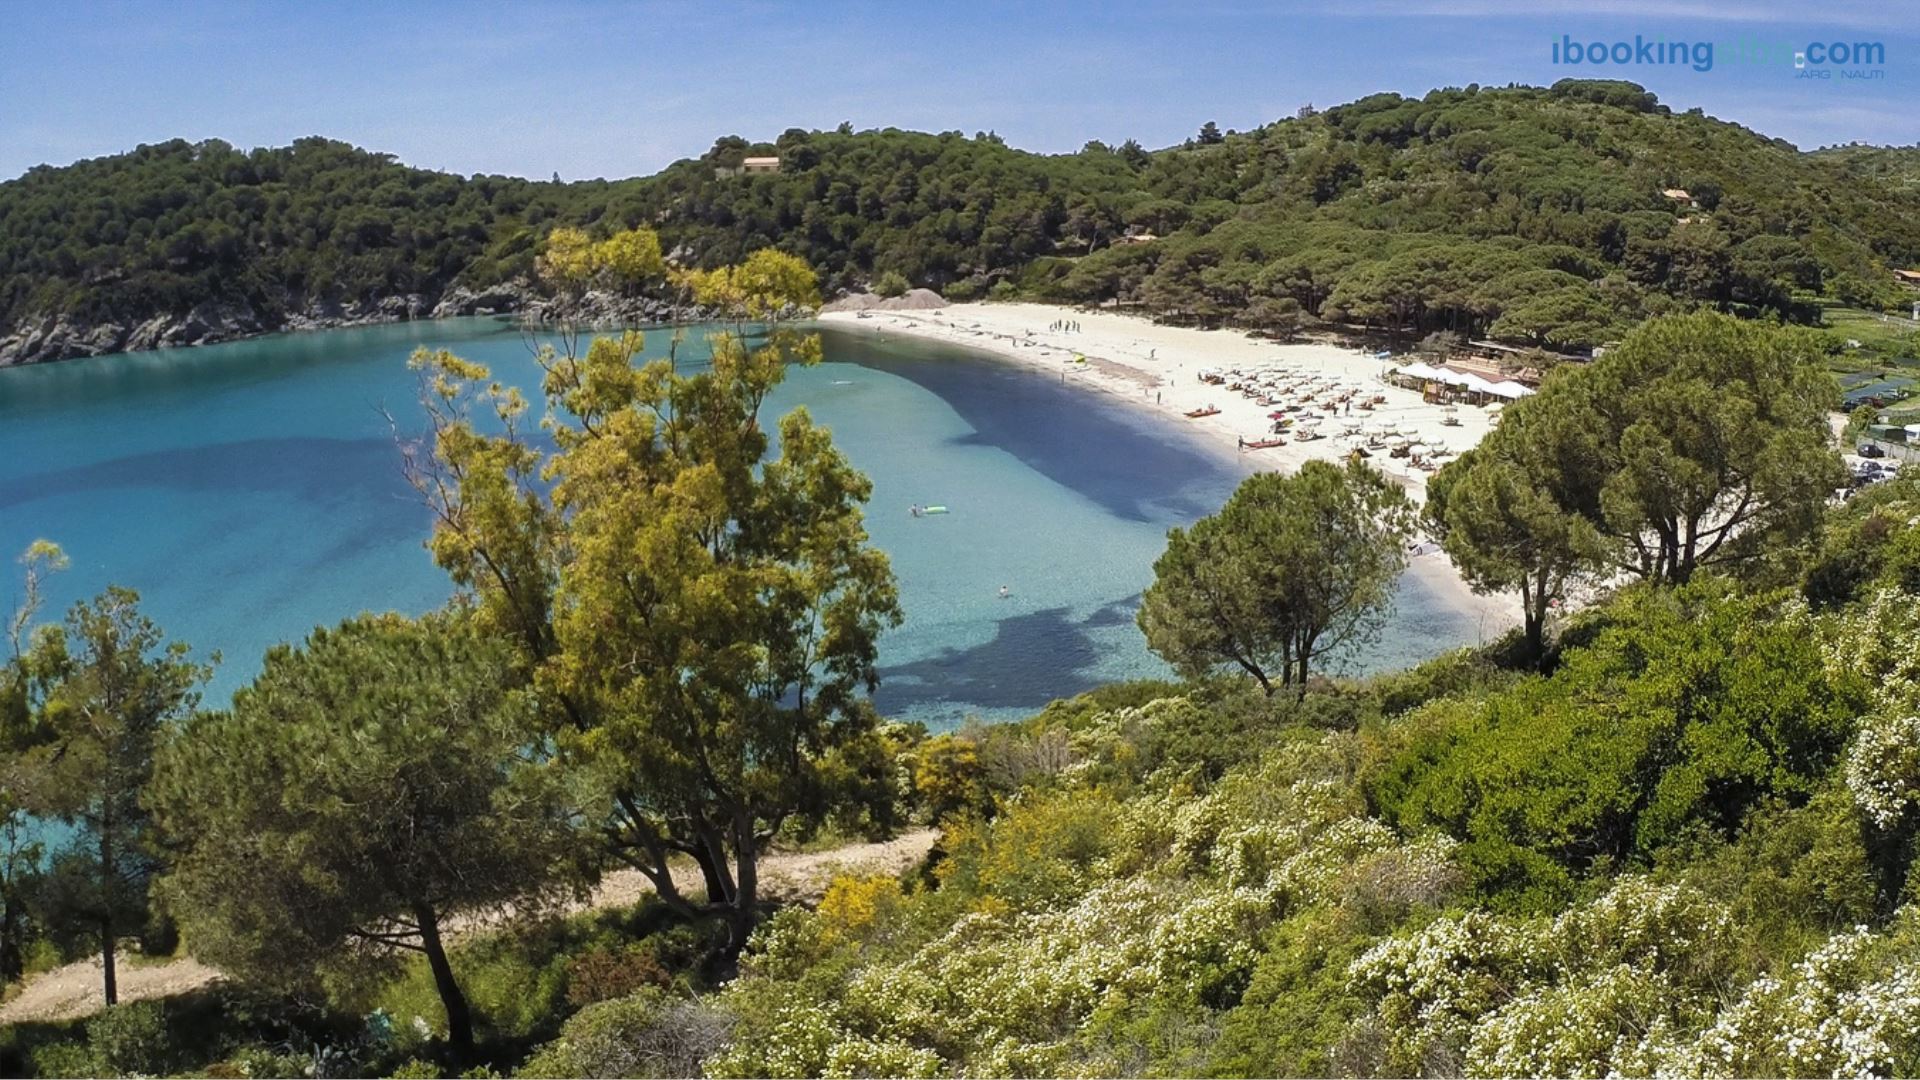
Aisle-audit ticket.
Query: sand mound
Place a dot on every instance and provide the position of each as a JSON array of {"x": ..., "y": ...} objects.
[{"x": 914, "y": 300}]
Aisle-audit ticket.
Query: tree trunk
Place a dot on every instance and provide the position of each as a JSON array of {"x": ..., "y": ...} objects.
[
  {"x": 12, "y": 952},
  {"x": 746, "y": 896},
  {"x": 1534, "y": 605},
  {"x": 459, "y": 1015},
  {"x": 110, "y": 988},
  {"x": 710, "y": 870},
  {"x": 111, "y": 980}
]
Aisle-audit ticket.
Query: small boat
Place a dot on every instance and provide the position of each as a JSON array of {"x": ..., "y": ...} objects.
[
  {"x": 1262, "y": 444},
  {"x": 1195, "y": 414}
]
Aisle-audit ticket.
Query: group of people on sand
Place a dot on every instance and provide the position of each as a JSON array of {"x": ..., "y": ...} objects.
[{"x": 1071, "y": 326}]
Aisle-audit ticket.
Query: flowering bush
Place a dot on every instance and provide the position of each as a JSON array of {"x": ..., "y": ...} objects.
[
  {"x": 852, "y": 905},
  {"x": 1432, "y": 986},
  {"x": 1633, "y": 984},
  {"x": 1878, "y": 644},
  {"x": 1883, "y": 768},
  {"x": 1846, "y": 1010},
  {"x": 1102, "y": 924}
]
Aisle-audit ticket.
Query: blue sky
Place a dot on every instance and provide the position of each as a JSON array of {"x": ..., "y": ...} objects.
[{"x": 617, "y": 89}]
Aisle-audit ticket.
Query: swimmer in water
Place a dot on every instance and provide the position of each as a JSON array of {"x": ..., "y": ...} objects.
[
  {"x": 1004, "y": 593},
  {"x": 914, "y": 510}
]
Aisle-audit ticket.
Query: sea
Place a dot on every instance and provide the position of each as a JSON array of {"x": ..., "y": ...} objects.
[{"x": 252, "y": 490}]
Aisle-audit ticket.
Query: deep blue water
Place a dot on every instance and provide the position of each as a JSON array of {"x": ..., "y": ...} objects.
[{"x": 252, "y": 490}]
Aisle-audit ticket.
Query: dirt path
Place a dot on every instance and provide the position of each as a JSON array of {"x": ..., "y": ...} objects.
[{"x": 73, "y": 991}]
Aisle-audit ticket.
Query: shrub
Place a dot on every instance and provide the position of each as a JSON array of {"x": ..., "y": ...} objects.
[
  {"x": 64, "y": 1059},
  {"x": 130, "y": 1039},
  {"x": 647, "y": 1034},
  {"x": 852, "y": 906},
  {"x": 891, "y": 283},
  {"x": 948, "y": 779},
  {"x": 965, "y": 289},
  {"x": 606, "y": 972}
]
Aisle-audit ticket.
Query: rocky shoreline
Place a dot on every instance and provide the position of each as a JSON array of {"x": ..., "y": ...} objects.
[{"x": 50, "y": 338}]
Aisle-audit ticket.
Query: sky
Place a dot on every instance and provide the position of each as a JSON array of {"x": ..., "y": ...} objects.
[{"x": 589, "y": 89}]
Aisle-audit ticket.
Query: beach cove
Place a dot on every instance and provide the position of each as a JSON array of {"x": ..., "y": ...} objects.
[
  {"x": 1155, "y": 370},
  {"x": 251, "y": 490}
]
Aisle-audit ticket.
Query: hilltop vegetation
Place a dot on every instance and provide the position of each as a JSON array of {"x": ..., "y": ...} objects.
[
  {"x": 168, "y": 227},
  {"x": 1534, "y": 215}
]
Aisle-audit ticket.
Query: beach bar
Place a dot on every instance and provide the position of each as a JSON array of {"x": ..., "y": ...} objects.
[{"x": 1436, "y": 382}]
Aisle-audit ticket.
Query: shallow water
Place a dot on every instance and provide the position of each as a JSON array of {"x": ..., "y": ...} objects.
[{"x": 252, "y": 490}]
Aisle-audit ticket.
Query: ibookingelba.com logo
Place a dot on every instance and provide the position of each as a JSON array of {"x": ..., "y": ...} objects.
[{"x": 1813, "y": 60}]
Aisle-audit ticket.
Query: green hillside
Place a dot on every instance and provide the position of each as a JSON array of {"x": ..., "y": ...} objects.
[{"x": 1533, "y": 215}]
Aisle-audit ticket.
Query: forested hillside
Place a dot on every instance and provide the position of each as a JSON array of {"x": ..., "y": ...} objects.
[
  {"x": 1535, "y": 215},
  {"x": 167, "y": 227}
]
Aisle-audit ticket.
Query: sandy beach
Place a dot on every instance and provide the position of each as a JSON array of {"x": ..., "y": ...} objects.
[{"x": 1158, "y": 369}]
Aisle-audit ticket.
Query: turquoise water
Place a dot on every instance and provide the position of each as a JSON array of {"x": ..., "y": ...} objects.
[{"x": 252, "y": 490}]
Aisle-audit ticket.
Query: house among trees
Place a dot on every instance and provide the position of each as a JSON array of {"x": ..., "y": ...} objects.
[
  {"x": 749, "y": 165},
  {"x": 1909, "y": 278},
  {"x": 1679, "y": 195},
  {"x": 1136, "y": 235}
]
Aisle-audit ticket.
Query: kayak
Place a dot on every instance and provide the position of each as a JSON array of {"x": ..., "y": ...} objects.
[{"x": 933, "y": 509}]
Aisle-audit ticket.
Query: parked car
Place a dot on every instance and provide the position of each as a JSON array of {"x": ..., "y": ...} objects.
[{"x": 1867, "y": 449}]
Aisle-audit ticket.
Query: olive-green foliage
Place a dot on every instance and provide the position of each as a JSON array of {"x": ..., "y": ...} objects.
[
  {"x": 172, "y": 225},
  {"x": 1497, "y": 873},
  {"x": 1870, "y": 540},
  {"x": 1294, "y": 569},
  {"x": 525, "y": 979},
  {"x": 221, "y": 1030},
  {"x": 732, "y": 702},
  {"x": 1532, "y": 214},
  {"x": 106, "y": 688},
  {"x": 130, "y": 1040},
  {"x": 1677, "y": 710},
  {"x": 647, "y": 1034},
  {"x": 1296, "y": 1007},
  {"x": 386, "y": 742}
]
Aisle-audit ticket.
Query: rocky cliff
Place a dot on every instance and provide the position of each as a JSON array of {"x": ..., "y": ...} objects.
[{"x": 62, "y": 337}]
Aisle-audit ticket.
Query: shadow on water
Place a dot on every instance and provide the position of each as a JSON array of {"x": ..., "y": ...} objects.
[
  {"x": 317, "y": 469},
  {"x": 1032, "y": 659},
  {"x": 1050, "y": 427}
]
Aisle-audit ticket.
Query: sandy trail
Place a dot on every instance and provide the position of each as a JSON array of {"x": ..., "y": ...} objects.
[{"x": 73, "y": 991}]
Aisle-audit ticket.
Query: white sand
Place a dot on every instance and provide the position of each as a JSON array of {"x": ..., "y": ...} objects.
[{"x": 1158, "y": 368}]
